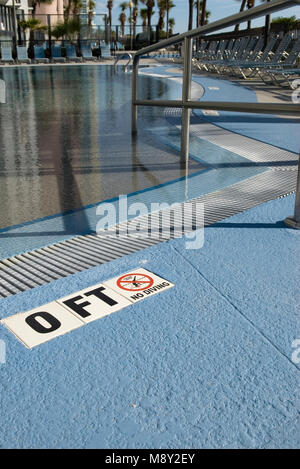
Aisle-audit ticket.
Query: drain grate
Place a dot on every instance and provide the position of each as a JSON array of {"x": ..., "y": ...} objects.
[{"x": 26, "y": 271}]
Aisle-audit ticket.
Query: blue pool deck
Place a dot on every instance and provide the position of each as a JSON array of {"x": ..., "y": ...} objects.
[{"x": 206, "y": 364}]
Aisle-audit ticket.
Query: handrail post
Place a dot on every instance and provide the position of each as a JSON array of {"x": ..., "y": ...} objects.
[
  {"x": 135, "y": 67},
  {"x": 186, "y": 95},
  {"x": 294, "y": 222}
]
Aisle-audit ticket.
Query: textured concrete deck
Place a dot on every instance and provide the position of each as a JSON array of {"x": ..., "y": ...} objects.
[{"x": 206, "y": 364}]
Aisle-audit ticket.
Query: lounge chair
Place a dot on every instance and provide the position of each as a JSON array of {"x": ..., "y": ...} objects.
[
  {"x": 86, "y": 52},
  {"x": 6, "y": 55},
  {"x": 71, "y": 53},
  {"x": 120, "y": 46},
  {"x": 200, "y": 50},
  {"x": 245, "y": 51},
  {"x": 39, "y": 54},
  {"x": 290, "y": 58},
  {"x": 268, "y": 58},
  {"x": 274, "y": 71},
  {"x": 285, "y": 77},
  {"x": 218, "y": 65},
  {"x": 56, "y": 54},
  {"x": 22, "y": 55},
  {"x": 246, "y": 57},
  {"x": 105, "y": 51}
]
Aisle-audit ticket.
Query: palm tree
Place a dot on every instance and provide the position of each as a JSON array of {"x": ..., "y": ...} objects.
[
  {"x": 122, "y": 17},
  {"x": 204, "y": 16},
  {"x": 33, "y": 24},
  {"x": 60, "y": 30},
  {"x": 171, "y": 26},
  {"x": 110, "y": 4},
  {"x": 76, "y": 6},
  {"x": 199, "y": 4},
  {"x": 135, "y": 13},
  {"x": 91, "y": 7},
  {"x": 161, "y": 14},
  {"x": 144, "y": 16},
  {"x": 169, "y": 6},
  {"x": 150, "y": 10}
]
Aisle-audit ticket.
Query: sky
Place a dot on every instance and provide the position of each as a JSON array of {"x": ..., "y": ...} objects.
[{"x": 218, "y": 8}]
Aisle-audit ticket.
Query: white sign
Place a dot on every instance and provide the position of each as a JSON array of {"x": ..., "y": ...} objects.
[
  {"x": 94, "y": 303},
  {"x": 61, "y": 316},
  {"x": 138, "y": 284},
  {"x": 42, "y": 324}
]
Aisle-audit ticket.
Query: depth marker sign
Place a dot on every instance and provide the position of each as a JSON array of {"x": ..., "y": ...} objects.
[
  {"x": 57, "y": 318},
  {"x": 41, "y": 324},
  {"x": 94, "y": 303}
]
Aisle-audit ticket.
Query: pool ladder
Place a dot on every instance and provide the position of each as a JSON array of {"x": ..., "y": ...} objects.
[{"x": 120, "y": 57}]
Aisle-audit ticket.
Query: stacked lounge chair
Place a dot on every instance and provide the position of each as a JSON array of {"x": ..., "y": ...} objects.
[
  {"x": 87, "y": 53},
  {"x": 284, "y": 71},
  {"x": 39, "y": 54},
  {"x": 250, "y": 68},
  {"x": 56, "y": 54},
  {"x": 6, "y": 55},
  {"x": 71, "y": 53},
  {"x": 22, "y": 55},
  {"x": 105, "y": 51}
]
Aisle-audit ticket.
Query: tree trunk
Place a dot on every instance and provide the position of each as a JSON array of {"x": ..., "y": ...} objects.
[
  {"x": 267, "y": 28},
  {"x": 198, "y": 14},
  {"x": 249, "y": 22},
  {"x": 149, "y": 14},
  {"x": 241, "y": 9},
  {"x": 203, "y": 13},
  {"x": 191, "y": 7}
]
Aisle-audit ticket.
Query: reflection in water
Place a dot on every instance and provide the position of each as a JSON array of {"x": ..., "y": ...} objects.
[{"x": 66, "y": 141}]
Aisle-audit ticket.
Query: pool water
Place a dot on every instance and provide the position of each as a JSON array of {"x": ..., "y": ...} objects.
[{"x": 65, "y": 140}]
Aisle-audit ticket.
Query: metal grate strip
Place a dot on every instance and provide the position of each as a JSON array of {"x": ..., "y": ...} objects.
[{"x": 41, "y": 266}]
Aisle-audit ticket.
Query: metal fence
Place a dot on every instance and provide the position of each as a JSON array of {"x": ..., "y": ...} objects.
[{"x": 76, "y": 28}]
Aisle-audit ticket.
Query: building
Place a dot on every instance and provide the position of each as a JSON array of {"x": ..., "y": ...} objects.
[
  {"x": 55, "y": 9},
  {"x": 7, "y": 16}
]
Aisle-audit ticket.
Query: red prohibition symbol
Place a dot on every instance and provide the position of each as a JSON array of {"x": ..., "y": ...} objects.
[{"x": 135, "y": 282}]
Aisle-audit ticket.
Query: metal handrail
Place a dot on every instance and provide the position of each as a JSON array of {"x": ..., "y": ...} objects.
[
  {"x": 186, "y": 104},
  {"x": 121, "y": 56},
  {"x": 256, "y": 12}
]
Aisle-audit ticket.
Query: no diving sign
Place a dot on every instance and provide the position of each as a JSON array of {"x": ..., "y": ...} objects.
[
  {"x": 139, "y": 284},
  {"x": 135, "y": 282},
  {"x": 57, "y": 318}
]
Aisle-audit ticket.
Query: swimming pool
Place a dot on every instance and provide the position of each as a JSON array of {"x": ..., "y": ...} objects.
[
  {"x": 65, "y": 131},
  {"x": 66, "y": 147}
]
